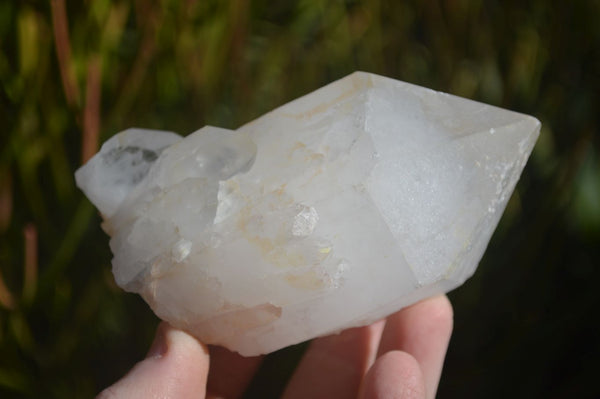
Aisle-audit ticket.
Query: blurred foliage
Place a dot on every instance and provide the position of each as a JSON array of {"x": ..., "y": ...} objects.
[{"x": 73, "y": 74}]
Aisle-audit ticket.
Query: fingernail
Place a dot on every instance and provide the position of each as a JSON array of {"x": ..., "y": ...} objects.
[{"x": 159, "y": 346}]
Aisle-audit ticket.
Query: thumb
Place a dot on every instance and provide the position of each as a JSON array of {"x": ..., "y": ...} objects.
[{"x": 176, "y": 367}]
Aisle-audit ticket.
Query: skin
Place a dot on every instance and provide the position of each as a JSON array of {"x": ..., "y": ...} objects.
[{"x": 400, "y": 357}]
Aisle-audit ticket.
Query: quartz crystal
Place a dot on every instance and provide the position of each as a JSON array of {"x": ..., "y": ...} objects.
[{"x": 332, "y": 211}]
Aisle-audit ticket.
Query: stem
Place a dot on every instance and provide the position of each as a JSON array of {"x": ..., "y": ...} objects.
[{"x": 63, "y": 51}]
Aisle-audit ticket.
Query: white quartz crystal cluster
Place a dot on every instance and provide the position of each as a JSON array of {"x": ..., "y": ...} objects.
[{"x": 329, "y": 212}]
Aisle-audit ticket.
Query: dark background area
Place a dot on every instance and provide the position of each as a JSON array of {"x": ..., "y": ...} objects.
[{"x": 72, "y": 75}]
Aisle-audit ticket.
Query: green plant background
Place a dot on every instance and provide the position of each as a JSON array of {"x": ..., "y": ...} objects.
[{"x": 526, "y": 324}]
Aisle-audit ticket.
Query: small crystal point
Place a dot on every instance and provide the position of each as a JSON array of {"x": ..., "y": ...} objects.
[{"x": 330, "y": 212}]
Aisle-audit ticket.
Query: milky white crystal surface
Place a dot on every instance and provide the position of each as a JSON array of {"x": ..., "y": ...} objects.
[{"x": 330, "y": 212}]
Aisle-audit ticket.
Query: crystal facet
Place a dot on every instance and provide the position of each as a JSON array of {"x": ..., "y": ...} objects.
[{"x": 330, "y": 212}]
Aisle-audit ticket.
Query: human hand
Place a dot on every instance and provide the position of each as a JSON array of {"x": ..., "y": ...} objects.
[{"x": 400, "y": 357}]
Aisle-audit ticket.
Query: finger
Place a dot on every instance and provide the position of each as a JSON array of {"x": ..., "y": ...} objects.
[
  {"x": 395, "y": 374},
  {"x": 176, "y": 367},
  {"x": 230, "y": 373},
  {"x": 334, "y": 366},
  {"x": 422, "y": 330}
]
